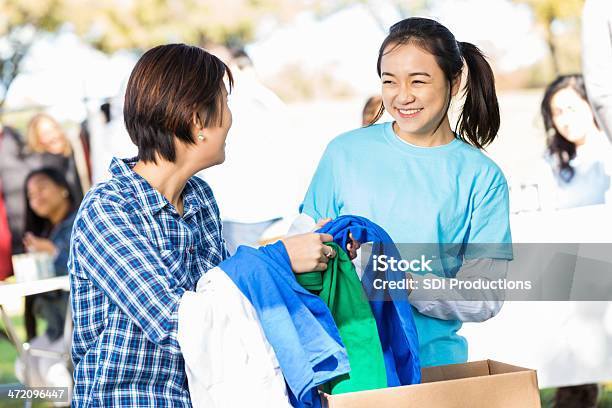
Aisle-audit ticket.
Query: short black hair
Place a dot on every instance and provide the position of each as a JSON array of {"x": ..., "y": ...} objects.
[{"x": 168, "y": 84}]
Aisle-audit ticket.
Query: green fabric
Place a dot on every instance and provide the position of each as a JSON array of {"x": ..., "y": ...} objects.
[
  {"x": 311, "y": 281},
  {"x": 340, "y": 288}
]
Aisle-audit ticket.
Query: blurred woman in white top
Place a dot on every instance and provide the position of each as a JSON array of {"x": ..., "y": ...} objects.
[{"x": 578, "y": 153}]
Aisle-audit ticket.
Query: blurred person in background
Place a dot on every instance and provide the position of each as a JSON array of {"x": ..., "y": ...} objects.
[
  {"x": 578, "y": 154},
  {"x": 6, "y": 267},
  {"x": 577, "y": 396},
  {"x": 50, "y": 147},
  {"x": 85, "y": 141},
  {"x": 50, "y": 212},
  {"x": 370, "y": 110},
  {"x": 14, "y": 167},
  {"x": 597, "y": 59},
  {"x": 253, "y": 188},
  {"x": 108, "y": 137}
]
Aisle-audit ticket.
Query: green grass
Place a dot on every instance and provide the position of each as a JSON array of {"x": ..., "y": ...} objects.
[
  {"x": 546, "y": 397},
  {"x": 8, "y": 354},
  {"x": 605, "y": 398},
  {"x": 7, "y": 360}
]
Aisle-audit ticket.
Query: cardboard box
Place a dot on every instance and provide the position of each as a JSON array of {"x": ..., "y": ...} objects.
[{"x": 478, "y": 384}]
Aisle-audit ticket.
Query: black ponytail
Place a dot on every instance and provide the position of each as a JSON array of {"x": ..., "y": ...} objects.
[{"x": 479, "y": 119}]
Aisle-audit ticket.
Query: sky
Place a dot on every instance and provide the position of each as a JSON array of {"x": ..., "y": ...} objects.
[
  {"x": 62, "y": 71},
  {"x": 347, "y": 42}
]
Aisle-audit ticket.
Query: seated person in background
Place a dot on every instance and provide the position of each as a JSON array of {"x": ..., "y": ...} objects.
[
  {"x": 50, "y": 211},
  {"x": 578, "y": 154}
]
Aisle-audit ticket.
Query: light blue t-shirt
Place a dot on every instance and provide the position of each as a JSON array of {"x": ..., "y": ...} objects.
[{"x": 449, "y": 194}]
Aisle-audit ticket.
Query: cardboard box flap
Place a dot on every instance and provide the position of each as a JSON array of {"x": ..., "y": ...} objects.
[
  {"x": 495, "y": 367},
  {"x": 511, "y": 390},
  {"x": 454, "y": 371},
  {"x": 467, "y": 370}
]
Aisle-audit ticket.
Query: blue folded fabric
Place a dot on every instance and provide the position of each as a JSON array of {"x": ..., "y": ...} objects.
[
  {"x": 297, "y": 323},
  {"x": 391, "y": 309}
]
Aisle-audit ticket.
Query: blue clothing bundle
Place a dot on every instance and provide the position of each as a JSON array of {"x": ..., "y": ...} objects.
[
  {"x": 297, "y": 323},
  {"x": 393, "y": 313}
]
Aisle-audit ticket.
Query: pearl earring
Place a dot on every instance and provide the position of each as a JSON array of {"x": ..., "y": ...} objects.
[{"x": 200, "y": 136}]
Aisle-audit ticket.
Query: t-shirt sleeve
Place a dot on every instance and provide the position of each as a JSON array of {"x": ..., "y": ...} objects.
[
  {"x": 321, "y": 200},
  {"x": 489, "y": 233}
]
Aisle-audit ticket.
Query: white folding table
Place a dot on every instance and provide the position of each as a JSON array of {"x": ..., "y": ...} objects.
[{"x": 9, "y": 292}]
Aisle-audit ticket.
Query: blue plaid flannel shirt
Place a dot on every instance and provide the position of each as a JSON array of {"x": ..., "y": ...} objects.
[{"x": 132, "y": 256}]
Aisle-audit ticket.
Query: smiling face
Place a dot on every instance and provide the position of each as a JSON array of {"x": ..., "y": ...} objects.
[
  {"x": 571, "y": 115},
  {"x": 45, "y": 196},
  {"x": 415, "y": 91},
  {"x": 50, "y": 136}
]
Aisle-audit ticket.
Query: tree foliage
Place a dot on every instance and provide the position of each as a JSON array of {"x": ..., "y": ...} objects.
[
  {"x": 112, "y": 25},
  {"x": 546, "y": 12},
  {"x": 20, "y": 22},
  {"x": 140, "y": 24}
]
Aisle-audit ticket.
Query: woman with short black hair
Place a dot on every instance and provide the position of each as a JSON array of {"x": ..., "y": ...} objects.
[{"x": 145, "y": 237}]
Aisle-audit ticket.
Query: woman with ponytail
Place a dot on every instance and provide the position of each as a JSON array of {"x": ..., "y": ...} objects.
[{"x": 425, "y": 183}]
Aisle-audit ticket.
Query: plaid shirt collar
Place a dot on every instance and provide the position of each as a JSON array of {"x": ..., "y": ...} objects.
[{"x": 147, "y": 197}]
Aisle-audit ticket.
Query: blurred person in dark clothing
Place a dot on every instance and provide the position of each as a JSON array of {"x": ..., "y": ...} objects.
[
  {"x": 14, "y": 167},
  {"x": 578, "y": 396},
  {"x": 50, "y": 212},
  {"x": 6, "y": 266}
]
